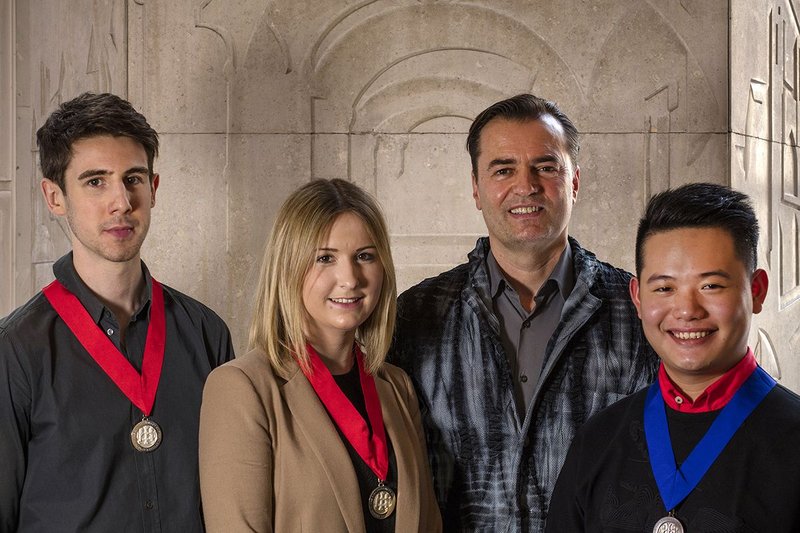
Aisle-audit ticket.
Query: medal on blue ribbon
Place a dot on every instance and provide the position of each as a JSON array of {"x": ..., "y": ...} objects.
[{"x": 675, "y": 484}]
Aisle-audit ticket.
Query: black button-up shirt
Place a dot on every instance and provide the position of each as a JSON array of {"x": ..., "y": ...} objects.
[{"x": 66, "y": 458}]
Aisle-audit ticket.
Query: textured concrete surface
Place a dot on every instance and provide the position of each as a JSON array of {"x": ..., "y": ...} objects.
[{"x": 253, "y": 98}]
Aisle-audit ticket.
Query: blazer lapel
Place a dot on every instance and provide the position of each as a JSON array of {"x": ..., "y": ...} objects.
[
  {"x": 312, "y": 419},
  {"x": 408, "y": 482}
]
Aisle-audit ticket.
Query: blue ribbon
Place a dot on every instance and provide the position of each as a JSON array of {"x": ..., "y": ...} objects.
[{"x": 675, "y": 483}]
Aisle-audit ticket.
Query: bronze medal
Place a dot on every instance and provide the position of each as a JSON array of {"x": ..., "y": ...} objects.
[
  {"x": 668, "y": 524},
  {"x": 146, "y": 435},
  {"x": 382, "y": 501}
]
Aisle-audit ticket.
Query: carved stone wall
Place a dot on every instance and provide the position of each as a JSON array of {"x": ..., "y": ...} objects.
[
  {"x": 252, "y": 98},
  {"x": 6, "y": 156},
  {"x": 764, "y": 163}
]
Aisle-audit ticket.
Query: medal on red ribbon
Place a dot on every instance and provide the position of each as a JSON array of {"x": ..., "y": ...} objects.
[
  {"x": 140, "y": 389},
  {"x": 372, "y": 448}
]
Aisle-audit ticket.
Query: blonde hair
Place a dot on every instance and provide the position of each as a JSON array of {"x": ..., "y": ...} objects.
[{"x": 303, "y": 222}]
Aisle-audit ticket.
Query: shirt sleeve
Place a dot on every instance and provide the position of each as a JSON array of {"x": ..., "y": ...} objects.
[
  {"x": 15, "y": 399},
  {"x": 236, "y": 463}
]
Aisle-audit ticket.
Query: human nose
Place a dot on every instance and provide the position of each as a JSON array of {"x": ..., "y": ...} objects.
[
  {"x": 120, "y": 198},
  {"x": 348, "y": 274},
  {"x": 687, "y": 306},
  {"x": 526, "y": 182}
]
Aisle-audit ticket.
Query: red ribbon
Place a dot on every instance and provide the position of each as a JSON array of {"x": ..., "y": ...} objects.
[
  {"x": 140, "y": 389},
  {"x": 371, "y": 448}
]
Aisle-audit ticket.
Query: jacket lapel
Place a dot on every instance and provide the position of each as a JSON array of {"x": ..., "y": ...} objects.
[
  {"x": 323, "y": 439},
  {"x": 408, "y": 482}
]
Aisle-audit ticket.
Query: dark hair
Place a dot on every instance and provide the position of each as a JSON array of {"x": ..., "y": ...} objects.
[
  {"x": 702, "y": 205},
  {"x": 90, "y": 115},
  {"x": 521, "y": 108}
]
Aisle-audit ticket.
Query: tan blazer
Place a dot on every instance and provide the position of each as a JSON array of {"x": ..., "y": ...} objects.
[{"x": 271, "y": 459}]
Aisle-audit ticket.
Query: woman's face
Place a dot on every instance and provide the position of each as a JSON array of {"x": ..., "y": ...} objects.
[{"x": 343, "y": 285}]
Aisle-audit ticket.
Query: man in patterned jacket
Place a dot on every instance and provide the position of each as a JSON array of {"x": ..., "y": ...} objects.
[{"x": 513, "y": 350}]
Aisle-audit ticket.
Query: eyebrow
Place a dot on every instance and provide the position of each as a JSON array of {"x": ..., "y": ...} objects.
[
  {"x": 709, "y": 274},
  {"x": 93, "y": 172},
  {"x": 549, "y": 158},
  {"x": 326, "y": 249}
]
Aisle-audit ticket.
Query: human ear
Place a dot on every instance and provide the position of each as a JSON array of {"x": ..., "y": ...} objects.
[
  {"x": 53, "y": 197},
  {"x": 633, "y": 288},
  {"x": 759, "y": 282}
]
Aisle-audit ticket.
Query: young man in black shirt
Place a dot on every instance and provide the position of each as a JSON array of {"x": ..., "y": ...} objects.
[
  {"x": 712, "y": 444},
  {"x": 101, "y": 373}
]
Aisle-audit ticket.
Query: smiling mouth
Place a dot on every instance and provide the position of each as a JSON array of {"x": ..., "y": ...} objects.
[
  {"x": 690, "y": 335},
  {"x": 344, "y": 300},
  {"x": 525, "y": 210}
]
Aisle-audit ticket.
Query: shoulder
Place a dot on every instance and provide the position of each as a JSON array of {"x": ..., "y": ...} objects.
[
  {"x": 27, "y": 320},
  {"x": 433, "y": 289},
  {"x": 614, "y": 419},
  {"x": 253, "y": 367},
  {"x": 188, "y": 304},
  {"x": 601, "y": 276},
  {"x": 248, "y": 379},
  {"x": 442, "y": 288},
  {"x": 783, "y": 408}
]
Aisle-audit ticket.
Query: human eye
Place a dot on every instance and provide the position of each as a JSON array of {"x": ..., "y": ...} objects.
[
  {"x": 94, "y": 182},
  {"x": 710, "y": 286},
  {"x": 324, "y": 259},
  {"x": 548, "y": 170},
  {"x": 663, "y": 289},
  {"x": 503, "y": 172},
  {"x": 134, "y": 179},
  {"x": 366, "y": 257}
]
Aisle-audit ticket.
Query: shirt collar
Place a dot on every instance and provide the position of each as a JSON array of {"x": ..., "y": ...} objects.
[
  {"x": 64, "y": 270},
  {"x": 716, "y": 396},
  {"x": 562, "y": 276}
]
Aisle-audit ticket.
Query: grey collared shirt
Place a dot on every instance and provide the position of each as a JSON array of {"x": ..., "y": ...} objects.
[{"x": 525, "y": 334}]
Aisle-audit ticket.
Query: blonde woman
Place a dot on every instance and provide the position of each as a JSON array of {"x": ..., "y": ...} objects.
[{"x": 311, "y": 430}]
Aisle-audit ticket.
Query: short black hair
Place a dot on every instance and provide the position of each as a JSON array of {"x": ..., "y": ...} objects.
[
  {"x": 702, "y": 205},
  {"x": 90, "y": 115},
  {"x": 521, "y": 108}
]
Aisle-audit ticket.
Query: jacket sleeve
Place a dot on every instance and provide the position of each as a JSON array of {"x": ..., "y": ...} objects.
[
  {"x": 15, "y": 401},
  {"x": 430, "y": 518},
  {"x": 566, "y": 512},
  {"x": 235, "y": 449}
]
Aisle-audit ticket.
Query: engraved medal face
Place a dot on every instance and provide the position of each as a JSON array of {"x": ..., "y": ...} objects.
[
  {"x": 668, "y": 524},
  {"x": 146, "y": 435},
  {"x": 382, "y": 502}
]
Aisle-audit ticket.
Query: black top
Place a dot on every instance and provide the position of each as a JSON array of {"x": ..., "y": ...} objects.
[
  {"x": 607, "y": 482},
  {"x": 67, "y": 460},
  {"x": 350, "y": 383}
]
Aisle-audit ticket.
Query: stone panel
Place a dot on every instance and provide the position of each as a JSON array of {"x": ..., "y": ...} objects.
[
  {"x": 186, "y": 244},
  {"x": 263, "y": 171},
  {"x": 6, "y": 251},
  {"x": 764, "y": 164},
  {"x": 618, "y": 175}
]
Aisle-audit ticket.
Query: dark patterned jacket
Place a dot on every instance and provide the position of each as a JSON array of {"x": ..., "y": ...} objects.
[{"x": 494, "y": 468}]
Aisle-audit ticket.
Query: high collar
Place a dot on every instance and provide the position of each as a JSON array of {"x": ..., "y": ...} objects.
[
  {"x": 64, "y": 271},
  {"x": 716, "y": 396}
]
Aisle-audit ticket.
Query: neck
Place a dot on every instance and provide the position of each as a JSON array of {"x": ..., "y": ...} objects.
[
  {"x": 695, "y": 385},
  {"x": 527, "y": 270},
  {"x": 337, "y": 354},
  {"x": 119, "y": 286}
]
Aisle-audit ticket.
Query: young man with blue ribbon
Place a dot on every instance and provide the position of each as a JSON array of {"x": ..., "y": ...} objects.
[{"x": 712, "y": 444}]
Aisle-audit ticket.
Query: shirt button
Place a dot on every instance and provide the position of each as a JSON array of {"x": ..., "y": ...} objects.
[
  {"x": 148, "y": 504},
  {"x": 678, "y": 400},
  {"x": 110, "y": 331},
  {"x": 526, "y": 324},
  {"x": 523, "y": 378}
]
